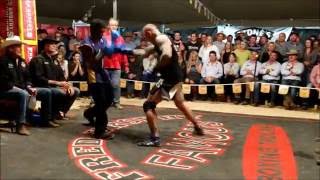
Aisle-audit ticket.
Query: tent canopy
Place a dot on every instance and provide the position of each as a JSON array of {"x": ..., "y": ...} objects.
[{"x": 179, "y": 13}]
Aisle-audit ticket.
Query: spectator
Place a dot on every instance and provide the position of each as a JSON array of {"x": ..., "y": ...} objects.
[
  {"x": 72, "y": 45},
  {"x": 128, "y": 40},
  {"x": 76, "y": 70},
  {"x": 309, "y": 60},
  {"x": 70, "y": 32},
  {"x": 294, "y": 44},
  {"x": 206, "y": 49},
  {"x": 62, "y": 50},
  {"x": 228, "y": 49},
  {"x": 315, "y": 81},
  {"x": 237, "y": 43},
  {"x": 291, "y": 75},
  {"x": 231, "y": 73},
  {"x": 315, "y": 75},
  {"x": 192, "y": 45},
  {"x": 242, "y": 53},
  {"x": 137, "y": 38},
  {"x": 281, "y": 44},
  {"x": 270, "y": 72},
  {"x": 42, "y": 34},
  {"x": 63, "y": 64},
  {"x": 59, "y": 37},
  {"x": 134, "y": 74},
  {"x": 203, "y": 38},
  {"x": 75, "y": 48},
  {"x": 178, "y": 44},
  {"x": 263, "y": 42},
  {"x": 14, "y": 82},
  {"x": 270, "y": 49},
  {"x": 219, "y": 41},
  {"x": 211, "y": 72},
  {"x": 64, "y": 37},
  {"x": 230, "y": 38},
  {"x": 194, "y": 68},
  {"x": 310, "y": 53},
  {"x": 252, "y": 44},
  {"x": 46, "y": 73},
  {"x": 193, "y": 74},
  {"x": 249, "y": 72},
  {"x": 116, "y": 61},
  {"x": 149, "y": 63},
  {"x": 241, "y": 35}
]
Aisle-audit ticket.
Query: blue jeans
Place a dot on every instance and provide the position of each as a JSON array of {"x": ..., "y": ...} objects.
[
  {"x": 45, "y": 96},
  {"x": 22, "y": 97},
  {"x": 293, "y": 91},
  {"x": 115, "y": 83},
  {"x": 273, "y": 90},
  {"x": 61, "y": 101}
]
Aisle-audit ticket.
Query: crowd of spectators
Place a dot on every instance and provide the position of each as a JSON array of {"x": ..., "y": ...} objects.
[{"x": 218, "y": 59}]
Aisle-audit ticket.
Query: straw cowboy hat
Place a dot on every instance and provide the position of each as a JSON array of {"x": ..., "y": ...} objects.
[
  {"x": 292, "y": 52},
  {"x": 224, "y": 36},
  {"x": 10, "y": 41}
]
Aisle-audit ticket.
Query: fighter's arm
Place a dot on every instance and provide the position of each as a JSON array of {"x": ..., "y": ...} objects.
[{"x": 144, "y": 52}]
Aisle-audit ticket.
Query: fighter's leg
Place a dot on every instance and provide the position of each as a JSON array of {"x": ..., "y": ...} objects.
[
  {"x": 149, "y": 109},
  {"x": 179, "y": 102}
]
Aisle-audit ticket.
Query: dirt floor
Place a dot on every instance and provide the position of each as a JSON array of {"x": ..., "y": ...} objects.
[{"x": 234, "y": 147}]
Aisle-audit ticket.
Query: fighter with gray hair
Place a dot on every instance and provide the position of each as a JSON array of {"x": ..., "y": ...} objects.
[{"x": 168, "y": 87}]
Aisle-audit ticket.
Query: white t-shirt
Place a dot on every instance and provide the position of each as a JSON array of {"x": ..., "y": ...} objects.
[{"x": 204, "y": 53}]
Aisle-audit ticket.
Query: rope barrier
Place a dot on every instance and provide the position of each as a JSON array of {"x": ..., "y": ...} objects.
[{"x": 304, "y": 91}]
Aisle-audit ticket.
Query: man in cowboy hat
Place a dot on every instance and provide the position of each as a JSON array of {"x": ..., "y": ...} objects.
[
  {"x": 14, "y": 82},
  {"x": 291, "y": 75},
  {"x": 46, "y": 72},
  {"x": 220, "y": 36}
]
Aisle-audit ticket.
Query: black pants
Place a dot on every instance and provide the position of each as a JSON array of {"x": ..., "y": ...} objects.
[
  {"x": 228, "y": 89},
  {"x": 102, "y": 94}
]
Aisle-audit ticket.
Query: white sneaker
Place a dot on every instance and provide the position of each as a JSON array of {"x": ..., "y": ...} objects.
[{"x": 118, "y": 106}]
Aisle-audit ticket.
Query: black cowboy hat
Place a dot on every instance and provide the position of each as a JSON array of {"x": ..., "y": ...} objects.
[{"x": 50, "y": 40}]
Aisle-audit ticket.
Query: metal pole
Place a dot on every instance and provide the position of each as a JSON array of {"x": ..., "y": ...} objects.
[{"x": 115, "y": 9}]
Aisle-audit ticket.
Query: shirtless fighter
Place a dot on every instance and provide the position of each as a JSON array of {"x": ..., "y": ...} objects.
[{"x": 168, "y": 87}]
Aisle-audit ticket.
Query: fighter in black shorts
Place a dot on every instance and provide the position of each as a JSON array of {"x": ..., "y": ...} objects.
[{"x": 168, "y": 87}]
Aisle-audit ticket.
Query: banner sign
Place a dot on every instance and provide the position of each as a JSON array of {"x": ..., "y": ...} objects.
[
  {"x": 30, "y": 51},
  {"x": 28, "y": 13},
  {"x": 9, "y": 23},
  {"x": 272, "y": 33},
  {"x": 28, "y": 28},
  {"x": 81, "y": 29}
]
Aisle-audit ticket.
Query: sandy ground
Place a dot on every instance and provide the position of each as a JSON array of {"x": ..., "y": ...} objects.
[{"x": 222, "y": 107}]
